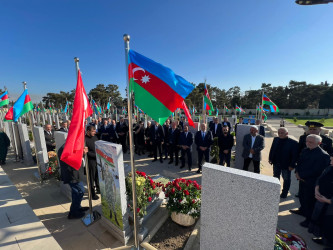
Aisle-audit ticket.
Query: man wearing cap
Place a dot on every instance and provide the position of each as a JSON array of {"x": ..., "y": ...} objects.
[
  {"x": 253, "y": 143},
  {"x": 311, "y": 163},
  {"x": 314, "y": 129},
  {"x": 283, "y": 156}
]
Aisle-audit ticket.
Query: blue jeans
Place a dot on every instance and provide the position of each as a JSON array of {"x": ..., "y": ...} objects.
[
  {"x": 286, "y": 176},
  {"x": 77, "y": 195}
]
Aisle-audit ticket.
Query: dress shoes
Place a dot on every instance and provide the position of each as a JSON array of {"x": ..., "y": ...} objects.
[
  {"x": 283, "y": 195},
  {"x": 78, "y": 215},
  {"x": 95, "y": 197},
  {"x": 305, "y": 223},
  {"x": 83, "y": 209},
  {"x": 296, "y": 211},
  {"x": 198, "y": 172},
  {"x": 318, "y": 240}
]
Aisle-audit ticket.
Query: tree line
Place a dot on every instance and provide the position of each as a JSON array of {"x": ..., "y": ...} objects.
[{"x": 296, "y": 95}]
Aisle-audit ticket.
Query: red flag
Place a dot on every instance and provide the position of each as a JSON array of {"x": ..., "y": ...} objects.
[
  {"x": 73, "y": 150},
  {"x": 187, "y": 113}
]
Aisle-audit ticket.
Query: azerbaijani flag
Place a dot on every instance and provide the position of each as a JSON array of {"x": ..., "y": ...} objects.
[
  {"x": 217, "y": 111},
  {"x": 4, "y": 99},
  {"x": 20, "y": 107},
  {"x": 226, "y": 109},
  {"x": 108, "y": 106},
  {"x": 272, "y": 105},
  {"x": 238, "y": 109},
  {"x": 208, "y": 103},
  {"x": 158, "y": 90},
  {"x": 96, "y": 109},
  {"x": 66, "y": 107}
]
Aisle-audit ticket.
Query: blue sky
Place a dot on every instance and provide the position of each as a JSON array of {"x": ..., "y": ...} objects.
[{"x": 237, "y": 42}]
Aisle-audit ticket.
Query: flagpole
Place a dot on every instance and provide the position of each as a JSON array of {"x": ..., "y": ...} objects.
[
  {"x": 262, "y": 107},
  {"x": 77, "y": 68},
  {"x": 33, "y": 138},
  {"x": 130, "y": 128}
]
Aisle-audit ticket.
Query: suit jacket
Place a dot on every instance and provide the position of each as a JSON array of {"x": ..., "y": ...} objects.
[
  {"x": 156, "y": 136},
  {"x": 284, "y": 153},
  {"x": 166, "y": 133},
  {"x": 49, "y": 140},
  {"x": 102, "y": 130},
  {"x": 225, "y": 142},
  {"x": 206, "y": 142},
  {"x": 113, "y": 132},
  {"x": 218, "y": 129},
  {"x": 186, "y": 140},
  {"x": 258, "y": 145},
  {"x": 173, "y": 138},
  {"x": 63, "y": 130},
  {"x": 227, "y": 123},
  {"x": 123, "y": 128}
]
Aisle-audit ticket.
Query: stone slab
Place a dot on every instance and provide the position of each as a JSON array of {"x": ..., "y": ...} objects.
[
  {"x": 242, "y": 130},
  {"x": 41, "y": 148},
  {"x": 239, "y": 209},
  {"x": 25, "y": 142}
]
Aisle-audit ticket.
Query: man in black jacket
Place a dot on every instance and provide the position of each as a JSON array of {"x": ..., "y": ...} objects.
[
  {"x": 186, "y": 141},
  {"x": 226, "y": 142},
  {"x": 122, "y": 130},
  {"x": 93, "y": 174},
  {"x": 49, "y": 138},
  {"x": 283, "y": 155},
  {"x": 173, "y": 141},
  {"x": 203, "y": 139},
  {"x": 72, "y": 177},
  {"x": 157, "y": 140},
  {"x": 216, "y": 127},
  {"x": 311, "y": 163},
  {"x": 64, "y": 127}
]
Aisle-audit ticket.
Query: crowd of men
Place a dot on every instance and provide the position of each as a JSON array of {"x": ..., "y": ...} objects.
[{"x": 309, "y": 158}]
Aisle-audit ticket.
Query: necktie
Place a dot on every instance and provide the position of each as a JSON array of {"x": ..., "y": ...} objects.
[
  {"x": 186, "y": 135},
  {"x": 203, "y": 135}
]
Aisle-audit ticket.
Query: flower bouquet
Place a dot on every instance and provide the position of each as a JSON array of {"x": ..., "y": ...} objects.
[
  {"x": 146, "y": 190},
  {"x": 53, "y": 167},
  {"x": 183, "y": 197}
]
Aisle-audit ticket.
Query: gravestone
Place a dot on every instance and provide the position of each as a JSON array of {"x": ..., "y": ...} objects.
[
  {"x": 41, "y": 148},
  {"x": 17, "y": 140},
  {"x": 57, "y": 123},
  {"x": 111, "y": 176},
  {"x": 25, "y": 142},
  {"x": 43, "y": 118},
  {"x": 49, "y": 118},
  {"x": 38, "y": 118},
  {"x": 242, "y": 130},
  {"x": 239, "y": 209},
  {"x": 9, "y": 131}
]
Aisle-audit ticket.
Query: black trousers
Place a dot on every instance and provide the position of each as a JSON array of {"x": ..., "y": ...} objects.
[
  {"x": 189, "y": 157},
  {"x": 201, "y": 154},
  {"x": 173, "y": 151},
  {"x": 157, "y": 145},
  {"x": 307, "y": 197},
  {"x": 93, "y": 177},
  {"x": 122, "y": 141},
  {"x": 256, "y": 165}
]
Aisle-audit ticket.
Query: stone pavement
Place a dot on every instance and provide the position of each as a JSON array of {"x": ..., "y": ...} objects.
[{"x": 51, "y": 206}]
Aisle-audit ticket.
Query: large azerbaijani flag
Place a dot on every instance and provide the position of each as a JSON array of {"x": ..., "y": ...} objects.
[
  {"x": 208, "y": 103},
  {"x": 272, "y": 105},
  {"x": 158, "y": 91},
  {"x": 4, "y": 99},
  {"x": 20, "y": 107}
]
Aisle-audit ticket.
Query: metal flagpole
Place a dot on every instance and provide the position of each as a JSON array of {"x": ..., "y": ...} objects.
[
  {"x": 33, "y": 138},
  {"x": 130, "y": 128},
  {"x": 89, "y": 219},
  {"x": 262, "y": 107}
]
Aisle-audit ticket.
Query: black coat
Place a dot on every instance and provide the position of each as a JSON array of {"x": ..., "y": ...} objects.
[
  {"x": 90, "y": 143},
  {"x": 226, "y": 124},
  {"x": 206, "y": 142},
  {"x": 68, "y": 174},
  {"x": 326, "y": 144},
  {"x": 258, "y": 145},
  {"x": 49, "y": 140},
  {"x": 284, "y": 153},
  {"x": 173, "y": 137},
  {"x": 311, "y": 164},
  {"x": 121, "y": 128},
  {"x": 218, "y": 130},
  {"x": 225, "y": 142},
  {"x": 186, "y": 140},
  {"x": 156, "y": 136}
]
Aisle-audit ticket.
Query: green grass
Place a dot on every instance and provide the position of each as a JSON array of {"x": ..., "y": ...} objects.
[{"x": 326, "y": 122}]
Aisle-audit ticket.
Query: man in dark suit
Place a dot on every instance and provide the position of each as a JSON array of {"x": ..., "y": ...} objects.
[
  {"x": 113, "y": 132},
  {"x": 216, "y": 128},
  {"x": 226, "y": 123},
  {"x": 283, "y": 155},
  {"x": 182, "y": 123},
  {"x": 49, "y": 138},
  {"x": 226, "y": 142},
  {"x": 165, "y": 147},
  {"x": 186, "y": 141},
  {"x": 104, "y": 131},
  {"x": 173, "y": 141},
  {"x": 203, "y": 140},
  {"x": 64, "y": 127},
  {"x": 157, "y": 140},
  {"x": 122, "y": 130},
  {"x": 93, "y": 174},
  {"x": 253, "y": 143}
]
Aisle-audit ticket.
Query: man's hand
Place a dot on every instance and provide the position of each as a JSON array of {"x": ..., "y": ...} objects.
[
  {"x": 151, "y": 143},
  {"x": 323, "y": 199},
  {"x": 225, "y": 151},
  {"x": 85, "y": 150},
  {"x": 252, "y": 151},
  {"x": 298, "y": 178},
  {"x": 290, "y": 168}
]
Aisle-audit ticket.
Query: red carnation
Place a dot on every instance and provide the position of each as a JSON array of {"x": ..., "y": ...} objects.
[
  {"x": 137, "y": 209},
  {"x": 149, "y": 199},
  {"x": 193, "y": 201},
  {"x": 167, "y": 195},
  {"x": 186, "y": 192},
  {"x": 173, "y": 190}
]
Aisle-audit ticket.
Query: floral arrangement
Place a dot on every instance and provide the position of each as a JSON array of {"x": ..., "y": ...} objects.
[
  {"x": 53, "y": 168},
  {"x": 146, "y": 190},
  {"x": 183, "y": 196}
]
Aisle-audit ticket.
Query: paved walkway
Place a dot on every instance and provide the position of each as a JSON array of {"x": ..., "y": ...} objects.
[{"x": 51, "y": 206}]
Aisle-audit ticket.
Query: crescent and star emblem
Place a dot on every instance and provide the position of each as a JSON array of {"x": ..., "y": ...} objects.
[{"x": 144, "y": 79}]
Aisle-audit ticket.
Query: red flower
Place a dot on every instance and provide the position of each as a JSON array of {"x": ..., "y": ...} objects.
[
  {"x": 151, "y": 182},
  {"x": 137, "y": 209},
  {"x": 153, "y": 186},
  {"x": 180, "y": 200},
  {"x": 149, "y": 199},
  {"x": 167, "y": 195},
  {"x": 173, "y": 190},
  {"x": 183, "y": 180},
  {"x": 187, "y": 184},
  {"x": 193, "y": 201},
  {"x": 186, "y": 192}
]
